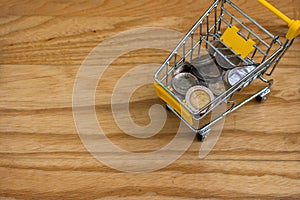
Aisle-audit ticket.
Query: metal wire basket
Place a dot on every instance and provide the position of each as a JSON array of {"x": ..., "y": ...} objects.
[{"x": 226, "y": 34}]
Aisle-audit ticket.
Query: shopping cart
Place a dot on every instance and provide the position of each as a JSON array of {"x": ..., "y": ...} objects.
[{"x": 225, "y": 33}]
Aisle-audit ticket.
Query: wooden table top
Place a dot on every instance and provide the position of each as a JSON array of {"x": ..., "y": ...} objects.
[{"x": 44, "y": 43}]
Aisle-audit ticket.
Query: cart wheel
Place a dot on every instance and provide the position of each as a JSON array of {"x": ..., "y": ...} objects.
[
  {"x": 167, "y": 108},
  {"x": 199, "y": 137},
  {"x": 264, "y": 95},
  {"x": 261, "y": 98}
]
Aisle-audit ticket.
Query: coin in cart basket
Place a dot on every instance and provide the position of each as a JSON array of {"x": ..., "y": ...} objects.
[
  {"x": 216, "y": 44},
  {"x": 197, "y": 97},
  {"x": 184, "y": 67},
  {"x": 217, "y": 87},
  {"x": 187, "y": 67},
  {"x": 206, "y": 66},
  {"x": 234, "y": 61},
  {"x": 235, "y": 75},
  {"x": 182, "y": 82}
]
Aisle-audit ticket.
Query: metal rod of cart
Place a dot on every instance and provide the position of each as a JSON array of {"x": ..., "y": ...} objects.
[{"x": 224, "y": 32}]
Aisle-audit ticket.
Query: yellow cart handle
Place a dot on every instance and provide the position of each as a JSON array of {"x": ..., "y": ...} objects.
[{"x": 294, "y": 25}]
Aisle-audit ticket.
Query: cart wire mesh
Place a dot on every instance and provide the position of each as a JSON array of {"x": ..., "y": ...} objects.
[{"x": 203, "y": 36}]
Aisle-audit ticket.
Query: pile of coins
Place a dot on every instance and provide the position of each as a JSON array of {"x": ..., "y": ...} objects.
[{"x": 207, "y": 77}]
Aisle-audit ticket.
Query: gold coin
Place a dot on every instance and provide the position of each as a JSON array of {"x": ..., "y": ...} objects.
[{"x": 199, "y": 99}]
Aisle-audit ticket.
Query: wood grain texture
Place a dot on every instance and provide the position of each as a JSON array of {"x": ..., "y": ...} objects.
[{"x": 42, "y": 45}]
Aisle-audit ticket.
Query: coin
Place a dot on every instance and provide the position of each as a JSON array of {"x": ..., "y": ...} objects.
[
  {"x": 234, "y": 61},
  {"x": 184, "y": 67},
  {"x": 197, "y": 97},
  {"x": 220, "y": 59},
  {"x": 205, "y": 59},
  {"x": 206, "y": 66},
  {"x": 182, "y": 82},
  {"x": 216, "y": 44},
  {"x": 188, "y": 68},
  {"x": 217, "y": 87},
  {"x": 235, "y": 75}
]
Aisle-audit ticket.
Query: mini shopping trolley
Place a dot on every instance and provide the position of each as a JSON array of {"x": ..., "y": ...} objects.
[{"x": 237, "y": 47}]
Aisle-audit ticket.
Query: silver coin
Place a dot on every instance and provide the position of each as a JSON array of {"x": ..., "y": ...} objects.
[
  {"x": 202, "y": 60},
  {"x": 182, "y": 82},
  {"x": 217, "y": 45},
  {"x": 184, "y": 67},
  {"x": 234, "y": 61},
  {"x": 217, "y": 87},
  {"x": 206, "y": 66},
  {"x": 236, "y": 74}
]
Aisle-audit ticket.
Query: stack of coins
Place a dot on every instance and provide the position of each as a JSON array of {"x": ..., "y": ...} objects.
[
  {"x": 200, "y": 81},
  {"x": 206, "y": 65}
]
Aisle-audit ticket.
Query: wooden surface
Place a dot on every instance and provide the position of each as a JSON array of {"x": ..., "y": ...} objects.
[{"x": 42, "y": 45}]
